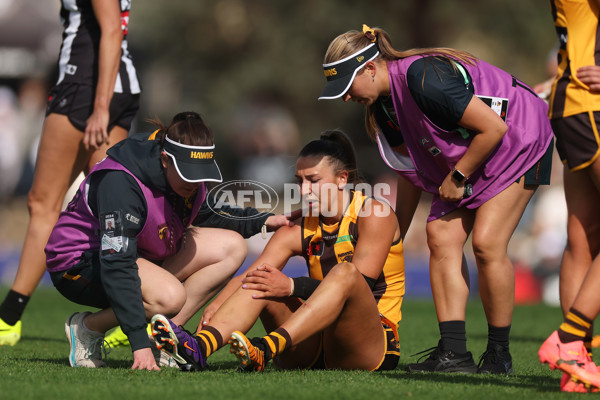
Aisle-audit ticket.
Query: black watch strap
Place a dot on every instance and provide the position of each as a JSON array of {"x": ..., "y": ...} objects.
[{"x": 458, "y": 176}]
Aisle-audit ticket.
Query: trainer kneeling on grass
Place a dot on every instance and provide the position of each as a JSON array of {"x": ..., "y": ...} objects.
[
  {"x": 131, "y": 235},
  {"x": 480, "y": 142},
  {"x": 344, "y": 315}
]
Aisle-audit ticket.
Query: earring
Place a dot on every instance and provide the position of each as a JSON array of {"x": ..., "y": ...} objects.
[{"x": 373, "y": 77}]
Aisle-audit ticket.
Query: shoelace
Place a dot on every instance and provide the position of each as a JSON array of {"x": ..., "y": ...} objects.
[
  {"x": 431, "y": 353},
  {"x": 493, "y": 357},
  {"x": 98, "y": 347},
  {"x": 185, "y": 330}
]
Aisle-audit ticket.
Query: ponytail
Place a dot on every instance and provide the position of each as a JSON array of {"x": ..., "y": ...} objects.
[
  {"x": 336, "y": 145},
  {"x": 353, "y": 41}
]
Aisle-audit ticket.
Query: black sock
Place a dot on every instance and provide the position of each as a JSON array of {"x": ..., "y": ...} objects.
[
  {"x": 454, "y": 336},
  {"x": 12, "y": 307},
  {"x": 499, "y": 335}
]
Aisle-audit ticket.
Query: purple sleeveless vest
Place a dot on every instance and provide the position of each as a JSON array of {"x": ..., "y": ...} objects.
[
  {"x": 433, "y": 151},
  {"x": 77, "y": 228}
]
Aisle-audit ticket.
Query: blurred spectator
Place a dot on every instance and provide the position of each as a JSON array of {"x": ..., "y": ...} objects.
[
  {"x": 10, "y": 160},
  {"x": 32, "y": 106},
  {"x": 543, "y": 89},
  {"x": 265, "y": 138}
]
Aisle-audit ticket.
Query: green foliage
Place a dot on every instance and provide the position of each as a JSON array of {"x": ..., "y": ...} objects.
[
  {"x": 214, "y": 54},
  {"x": 214, "y": 57},
  {"x": 38, "y": 367}
]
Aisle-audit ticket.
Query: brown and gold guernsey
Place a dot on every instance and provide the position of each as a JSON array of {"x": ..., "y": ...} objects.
[
  {"x": 324, "y": 246},
  {"x": 579, "y": 46}
]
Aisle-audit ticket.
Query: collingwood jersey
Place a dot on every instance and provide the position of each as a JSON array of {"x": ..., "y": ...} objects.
[
  {"x": 325, "y": 246},
  {"x": 579, "y": 46},
  {"x": 78, "y": 59}
]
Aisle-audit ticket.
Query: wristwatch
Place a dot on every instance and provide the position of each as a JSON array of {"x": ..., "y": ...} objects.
[{"x": 458, "y": 176}]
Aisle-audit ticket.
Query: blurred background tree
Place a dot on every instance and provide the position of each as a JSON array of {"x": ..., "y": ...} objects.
[
  {"x": 216, "y": 56},
  {"x": 221, "y": 56},
  {"x": 253, "y": 69}
]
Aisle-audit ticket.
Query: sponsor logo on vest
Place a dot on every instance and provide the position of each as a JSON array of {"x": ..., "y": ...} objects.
[
  {"x": 345, "y": 238},
  {"x": 70, "y": 69},
  {"x": 346, "y": 257},
  {"x": 132, "y": 219},
  {"x": 315, "y": 249},
  {"x": 163, "y": 231},
  {"x": 330, "y": 72},
  {"x": 434, "y": 150},
  {"x": 203, "y": 155}
]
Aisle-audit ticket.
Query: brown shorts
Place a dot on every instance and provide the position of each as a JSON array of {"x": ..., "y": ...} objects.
[
  {"x": 390, "y": 357},
  {"x": 77, "y": 103},
  {"x": 392, "y": 346},
  {"x": 577, "y": 139}
]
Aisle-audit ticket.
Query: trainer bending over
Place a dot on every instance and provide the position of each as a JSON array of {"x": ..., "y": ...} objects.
[{"x": 479, "y": 141}]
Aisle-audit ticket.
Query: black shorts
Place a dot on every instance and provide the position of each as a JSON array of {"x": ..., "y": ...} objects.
[
  {"x": 76, "y": 101},
  {"x": 540, "y": 173},
  {"x": 81, "y": 284},
  {"x": 577, "y": 139}
]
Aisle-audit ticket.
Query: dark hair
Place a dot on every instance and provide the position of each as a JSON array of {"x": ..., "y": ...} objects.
[
  {"x": 336, "y": 145},
  {"x": 187, "y": 127}
]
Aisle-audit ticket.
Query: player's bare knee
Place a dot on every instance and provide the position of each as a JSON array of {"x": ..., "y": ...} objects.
[
  {"x": 171, "y": 300},
  {"x": 435, "y": 241},
  {"x": 487, "y": 250},
  {"x": 236, "y": 248},
  {"x": 233, "y": 251},
  {"x": 345, "y": 274}
]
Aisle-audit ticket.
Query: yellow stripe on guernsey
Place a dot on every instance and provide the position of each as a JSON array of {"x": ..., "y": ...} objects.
[{"x": 389, "y": 288}]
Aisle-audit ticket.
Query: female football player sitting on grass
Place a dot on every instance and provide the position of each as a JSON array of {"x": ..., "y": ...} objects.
[{"x": 345, "y": 315}]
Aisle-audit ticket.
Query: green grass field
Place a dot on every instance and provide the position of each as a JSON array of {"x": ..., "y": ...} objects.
[{"x": 38, "y": 367}]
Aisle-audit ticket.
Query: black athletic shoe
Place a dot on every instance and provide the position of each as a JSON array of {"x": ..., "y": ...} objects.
[
  {"x": 440, "y": 360},
  {"x": 495, "y": 360}
]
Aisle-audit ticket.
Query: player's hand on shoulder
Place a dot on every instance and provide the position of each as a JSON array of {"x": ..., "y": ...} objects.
[{"x": 277, "y": 221}]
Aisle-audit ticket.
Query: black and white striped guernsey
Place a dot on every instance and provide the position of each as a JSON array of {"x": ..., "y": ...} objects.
[{"x": 78, "y": 59}]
